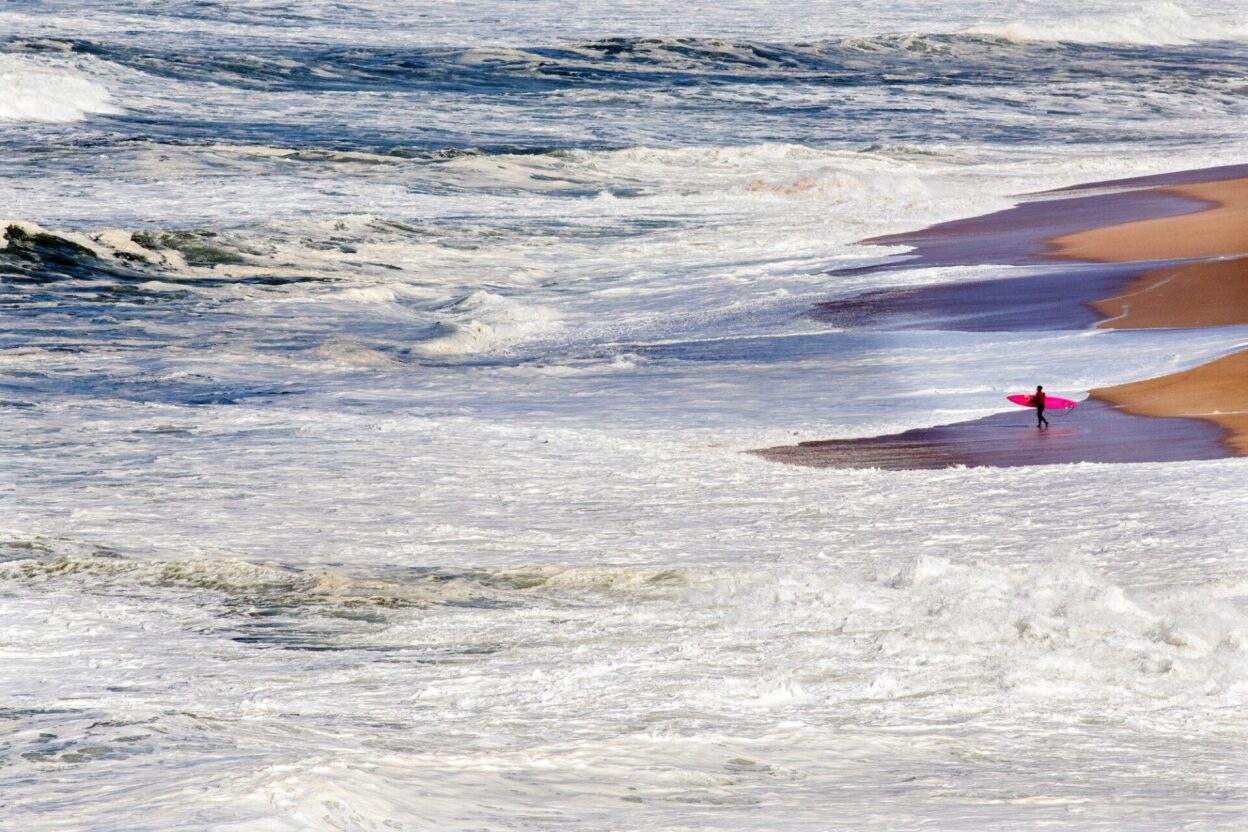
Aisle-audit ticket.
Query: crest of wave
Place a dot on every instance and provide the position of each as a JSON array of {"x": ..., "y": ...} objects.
[
  {"x": 35, "y": 91},
  {"x": 1156, "y": 24},
  {"x": 788, "y": 170},
  {"x": 483, "y": 321}
]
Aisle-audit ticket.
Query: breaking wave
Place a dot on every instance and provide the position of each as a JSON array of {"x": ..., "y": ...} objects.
[
  {"x": 1044, "y": 631},
  {"x": 625, "y": 63},
  {"x": 483, "y": 321},
  {"x": 37, "y": 91}
]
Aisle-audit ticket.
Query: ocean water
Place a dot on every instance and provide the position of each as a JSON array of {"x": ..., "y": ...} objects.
[{"x": 374, "y": 381}]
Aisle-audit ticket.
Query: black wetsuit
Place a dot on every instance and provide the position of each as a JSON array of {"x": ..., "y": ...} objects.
[{"x": 1038, "y": 399}]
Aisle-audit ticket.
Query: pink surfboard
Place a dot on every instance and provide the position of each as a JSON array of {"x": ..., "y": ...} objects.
[{"x": 1050, "y": 402}]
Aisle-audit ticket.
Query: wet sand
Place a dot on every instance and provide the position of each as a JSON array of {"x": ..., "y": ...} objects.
[
  {"x": 1049, "y": 300},
  {"x": 1096, "y": 431},
  {"x": 1216, "y": 392},
  {"x": 1022, "y": 235},
  {"x": 1157, "y": 246},
  {"x": 1221, "y": 229},
  {"x": 1025, "y": 233},
  {"x": 1162, "y": 180},
  {"x": 1152, "y": 252},
  {"x": 1184, "y": 295},
  {"x": 1203, "y": 293}
]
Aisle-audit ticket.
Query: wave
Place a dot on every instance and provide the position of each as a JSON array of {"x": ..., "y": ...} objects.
[
  {"x": 40, "y": 267},
  {"x": 608, "y": 61},
  {"x": 109, "y": 573},
  {"x": 113, "y": 266},
  {"x": 78, "y": 272},
  {"x": 404, "y": 286},
  {"x": 657, "y": 91},
  {"x": 1158, "y": 24},
  {"x": 32, "y": 90},
  {"x": 986, "y": 53},
  {"x": 482, "y": 321},
  {"x": 1047, "y": 630},
  {"x": 771, "y": 168},
  {"x": 594, "y": 682},
  {"x": 930, "y": 606}
]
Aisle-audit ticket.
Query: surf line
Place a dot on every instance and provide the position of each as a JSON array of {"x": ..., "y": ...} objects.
[{"x": 1167, "y": 251}]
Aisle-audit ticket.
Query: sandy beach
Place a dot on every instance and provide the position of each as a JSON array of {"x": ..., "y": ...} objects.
[
  {"x": 1214, "y": 392},
  {"x": 1201, "y": 292},
  {"x": 1211, "y": 289},
  {"x": 1194, "y": 294},
  {"x": 1220, "y": 230},
  {"x": 1167, "y": 251}
]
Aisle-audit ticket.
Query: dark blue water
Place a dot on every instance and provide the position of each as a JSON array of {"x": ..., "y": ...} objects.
[{"x": 662, "y": 92}]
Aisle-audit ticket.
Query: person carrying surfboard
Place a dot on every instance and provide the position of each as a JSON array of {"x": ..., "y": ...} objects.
[
  {"x": 1038, "y": 400},
  {"x": 1042, "y": 402}
]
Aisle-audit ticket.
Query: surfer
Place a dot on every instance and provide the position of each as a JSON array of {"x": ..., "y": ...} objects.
[{"x": 1038, "y": 401}]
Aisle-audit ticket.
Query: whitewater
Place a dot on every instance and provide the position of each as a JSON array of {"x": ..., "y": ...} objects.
[{"x": 375, "y": 382}]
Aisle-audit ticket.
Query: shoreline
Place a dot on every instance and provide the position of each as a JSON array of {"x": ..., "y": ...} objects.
[
  {"x": 1215, "y": 392},
  {"x": 1219, "y": 229},
  {"x": 1209, "y": 287},
  {"x": 1098, "y": 431},
  {"x": 1168, "y": 251}
]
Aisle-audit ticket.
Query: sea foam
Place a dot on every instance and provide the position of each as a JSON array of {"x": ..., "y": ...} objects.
[
  {"x": 34, "y": 91},
  {"x": 1158, "y": 24},
  {"x": 483, "y": 321}
]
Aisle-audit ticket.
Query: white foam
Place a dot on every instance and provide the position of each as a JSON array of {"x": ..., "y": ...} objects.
[
  {"x": 1156, "y": 24},
  {"x": 276, "y": 559},
  {"x": 32, "y": 90},
  {"x": 483, "y": 321},
  {"x": 727, "y": 688},
  {"x": 495, "y": 29}
]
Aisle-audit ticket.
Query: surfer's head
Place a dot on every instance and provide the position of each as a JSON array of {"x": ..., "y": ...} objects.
[{"x": 1038, "y": 388}]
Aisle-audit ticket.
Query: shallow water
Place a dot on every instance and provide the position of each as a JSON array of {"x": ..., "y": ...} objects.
[{"x": 375, "y": 379}]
